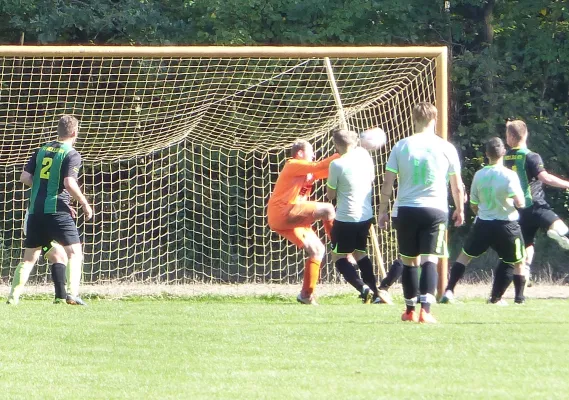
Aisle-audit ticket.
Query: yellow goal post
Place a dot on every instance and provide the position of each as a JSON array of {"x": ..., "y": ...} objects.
[{"x": 181, "y": 146}]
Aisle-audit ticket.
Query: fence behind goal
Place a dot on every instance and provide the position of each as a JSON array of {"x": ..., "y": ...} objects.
[{"x": 182, "y": 146}]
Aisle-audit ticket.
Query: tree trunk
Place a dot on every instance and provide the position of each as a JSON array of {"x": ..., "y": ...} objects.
[{"x": 488, "y": 32}]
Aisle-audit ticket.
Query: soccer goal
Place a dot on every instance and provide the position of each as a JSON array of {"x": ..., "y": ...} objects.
[{"x": 182, "y": 146}]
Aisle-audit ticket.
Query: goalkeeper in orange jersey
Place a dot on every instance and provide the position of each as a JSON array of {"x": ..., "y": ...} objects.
[{"x": 291, "y": 215}]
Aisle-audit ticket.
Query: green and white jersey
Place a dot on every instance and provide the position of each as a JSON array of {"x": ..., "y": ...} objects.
[
  {"x": 423, "y": 163},
  {"x": 492, "y": 190},
  {"x": 352, "y": 177}
]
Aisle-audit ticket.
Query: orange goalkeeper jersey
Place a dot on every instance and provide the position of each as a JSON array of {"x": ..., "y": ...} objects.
[{"x": 296, "y": 179}]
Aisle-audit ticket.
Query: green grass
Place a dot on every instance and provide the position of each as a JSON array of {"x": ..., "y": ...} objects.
[{"x": 272, "y": 348}]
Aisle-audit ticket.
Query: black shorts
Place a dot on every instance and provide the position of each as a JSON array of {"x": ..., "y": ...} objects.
[
  {"x": 45, "y": 247},
  {"x": 42, "y": 229},
  {"x": 349, "y": 236},
  {"x": 505, "y": 237},
  {"x": 535, "y": 217},
  {"x": 421, "y": 231}
]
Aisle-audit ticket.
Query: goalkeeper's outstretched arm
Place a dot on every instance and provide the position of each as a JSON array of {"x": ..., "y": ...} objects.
[{"x": 318, "y": 169}]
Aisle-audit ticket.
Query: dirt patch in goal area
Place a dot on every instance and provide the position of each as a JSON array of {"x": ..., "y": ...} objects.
[{"x": 122, "y": 290}]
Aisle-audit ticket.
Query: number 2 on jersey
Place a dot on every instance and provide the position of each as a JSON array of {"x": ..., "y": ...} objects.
[{"x": 46, "y": 165}]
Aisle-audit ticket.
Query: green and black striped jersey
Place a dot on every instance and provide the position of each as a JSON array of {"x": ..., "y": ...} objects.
[
  {"x": 528, "y": 165},
  {"x": 50, "y": 165}
]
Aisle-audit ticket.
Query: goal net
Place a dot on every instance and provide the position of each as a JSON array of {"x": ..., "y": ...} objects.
[{"x": 181, "y": 147}]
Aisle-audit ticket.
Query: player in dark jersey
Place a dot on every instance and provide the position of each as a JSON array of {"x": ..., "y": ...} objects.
[
  {"x": 51, "y": 173},
  {"x": 531, "y": 171}
]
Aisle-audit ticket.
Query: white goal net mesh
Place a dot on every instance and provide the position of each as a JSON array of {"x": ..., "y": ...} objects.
[{"x": 181, "y": 154}]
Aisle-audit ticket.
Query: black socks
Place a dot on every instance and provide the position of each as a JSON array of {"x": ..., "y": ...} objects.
[
  {"x": 456, "y": 273},
  {"x": 58, "y": 277}
]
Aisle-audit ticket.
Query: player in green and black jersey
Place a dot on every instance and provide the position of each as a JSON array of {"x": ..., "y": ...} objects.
[
  {"x": 531, "y": 171},
  {"x": 51, "y": 173}
]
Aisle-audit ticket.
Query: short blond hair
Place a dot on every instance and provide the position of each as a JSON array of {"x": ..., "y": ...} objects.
[
  {"x": 298, "y": 145},
  {"x": 423, "y": 113},
  {"x": 344, "y": 137},
  {"x": 66, "y": 126},
  {"x": 517, "y": 128}
]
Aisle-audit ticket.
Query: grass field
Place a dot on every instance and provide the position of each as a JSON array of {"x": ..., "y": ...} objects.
[{"x": 272, "y": 348}]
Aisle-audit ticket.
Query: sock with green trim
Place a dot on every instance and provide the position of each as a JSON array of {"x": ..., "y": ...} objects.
[{"x": 21, "y": 276}]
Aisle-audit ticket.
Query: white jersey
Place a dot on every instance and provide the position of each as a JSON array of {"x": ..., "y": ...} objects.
[
  {"x": 423, "y": 163},
  {"x": 352, "y": 177},
  {"x": 492, "y": 190}
]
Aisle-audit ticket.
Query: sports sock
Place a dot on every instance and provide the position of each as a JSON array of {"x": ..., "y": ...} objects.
[
  {"x": 58, "y": 277},
  {"x": 428, "y": 284},
  {"x": 20, "y": 278},
  {"x": 519, "y": 286},
  {"x": 503, "y": 276},
  {"x": 349, "y": 273},
  {"x": 368, "y": 276},
  {"x": 328, "y": 223},
  {"x": 73, "y": 273},
  {"x": 311, "y": 275},
  {"x": 393, "y": 274},
  {"x": 456, "y": 273},
  {"x": 410, "y": 281},
  {"x": 527, "y": 271}
]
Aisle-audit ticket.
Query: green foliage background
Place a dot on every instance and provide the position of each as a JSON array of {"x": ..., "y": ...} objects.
[{"x": 507, "y": 58}]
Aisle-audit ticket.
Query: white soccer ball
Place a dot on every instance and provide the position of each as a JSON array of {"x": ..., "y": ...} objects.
[{"x": 373, "y": 139}]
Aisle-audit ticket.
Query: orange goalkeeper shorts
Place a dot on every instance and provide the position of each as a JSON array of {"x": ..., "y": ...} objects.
[
  {"x": 299, "y": 235},
  {"x": 293, "y": 221}
]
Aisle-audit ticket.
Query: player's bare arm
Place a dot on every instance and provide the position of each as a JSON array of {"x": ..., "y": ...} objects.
[
  {"x": 519, "y": 201},
  {"x": 385, "y": 193},
  {"x": 474, "y": 208},
  {"x": 26, "y": 178},
  {"x": 457, "y": 189},
  {"x": 73, "y": 188},
  {"x": 330, "y": 193},
  {"x": 552, "y": 180}
]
